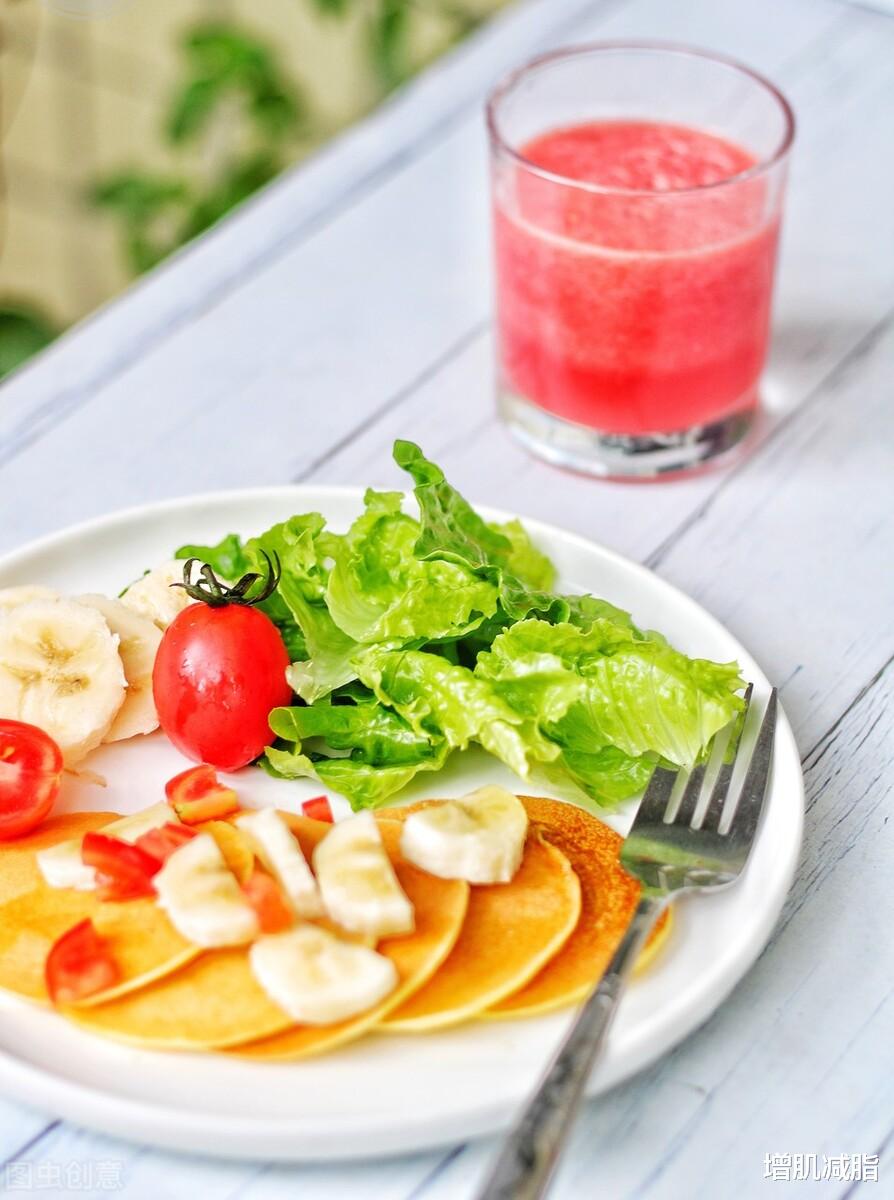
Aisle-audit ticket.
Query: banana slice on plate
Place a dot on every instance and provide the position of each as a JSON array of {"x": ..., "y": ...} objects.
[
  {"x": 357, "y": 882},
  {"x": 12, "y": 597},
  {"x": 60, "y": 670},
  {"x": 479, "y": 838},
  {"x": 138, "y": 641},
  {"x": 153, "y": 596},
  {"x": 317, "y": 978}
]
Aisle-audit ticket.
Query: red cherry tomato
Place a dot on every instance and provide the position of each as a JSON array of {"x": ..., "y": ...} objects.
[
  {"x": 79, "y": 964},
  {"x": 218, "y": 673},
  {"x": 264, "y": 895},
  {"x": 197, "y": 795},
  {"x": 30, "y": 771},
  {"x": 318, "y": 809},
  {"x": 123, "y": 871}
]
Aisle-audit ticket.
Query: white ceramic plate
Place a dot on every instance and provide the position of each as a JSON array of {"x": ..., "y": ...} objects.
[{"x": 385, "y": 1094}]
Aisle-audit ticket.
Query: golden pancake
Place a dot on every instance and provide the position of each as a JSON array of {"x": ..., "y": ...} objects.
[
  {"x": 608, "y": 898},
  {"x": 19, "y": 872},
  {"x": 215, "y": 1001},
  {"x": 511, "y": 930},
  {"x": 142, "y": 940}
]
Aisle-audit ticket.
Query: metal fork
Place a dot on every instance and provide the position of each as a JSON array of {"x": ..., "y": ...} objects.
[{"x": 673, "y": 847}]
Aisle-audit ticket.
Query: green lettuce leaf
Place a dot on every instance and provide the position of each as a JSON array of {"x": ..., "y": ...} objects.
[
  {"x": 227, "y": 559},
  {"x": 607, "y": 776},
  {"x": 637, "y": 694},
  {"x": 363, "y": 750},
  {"x": 444, "y": 701},
  {"x": 453, "y": 531},
  {"x": 303, "y": 545},
  {"x": 524, "y": 560},
  {"x": 379, "y": 591}
]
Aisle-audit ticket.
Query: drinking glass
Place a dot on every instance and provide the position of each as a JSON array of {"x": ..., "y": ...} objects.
[{"x": 633, "y": 311}]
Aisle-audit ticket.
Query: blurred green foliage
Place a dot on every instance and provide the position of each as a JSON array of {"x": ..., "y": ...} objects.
[
  {"x": 23, "y": 331},
  {"x": 231, "y": 84},
  {"x": 228, "y": 76}
]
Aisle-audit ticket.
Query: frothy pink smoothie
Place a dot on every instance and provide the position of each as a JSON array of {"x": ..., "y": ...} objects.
[{"x": 643, "y": 307}]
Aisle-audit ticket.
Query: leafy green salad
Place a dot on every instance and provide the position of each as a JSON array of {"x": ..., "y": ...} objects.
[{"x": 414, "y": 637}]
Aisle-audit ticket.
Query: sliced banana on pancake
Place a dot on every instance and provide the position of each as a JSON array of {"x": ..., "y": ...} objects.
[
  {"x": 479, "y": 837},
  {"x": 510, "y": 932},
  {"x": 138, "y": 642},
  {"x": 608, "y": 899},
  {"x": 202, "y": 897},
  {"x": 357, "y": 882},
  {"x": 60, "y": 670},
  {"x": 276, "y": 847},
  {"x": 216, "y": 1001},
  {"x": 319, "y": 979}
]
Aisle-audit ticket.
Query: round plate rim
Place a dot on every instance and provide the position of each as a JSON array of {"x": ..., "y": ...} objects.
[{"x": 244, "y": 1137}]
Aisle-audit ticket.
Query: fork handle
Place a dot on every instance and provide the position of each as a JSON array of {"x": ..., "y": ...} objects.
[{"x": 529, "y": 1155}]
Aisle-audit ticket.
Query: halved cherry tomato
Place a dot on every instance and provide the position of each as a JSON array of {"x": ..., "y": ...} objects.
[
  {"x": 197, "y": 795},
  {"x": 318, "y": 809},
  {"x": 30, "y": 771},
  {"x": 265, "y": 896},
  {"x": 123, "y": 871},
  {"x": 79, "y": 964},
  {"x": 161, "y": 843}
]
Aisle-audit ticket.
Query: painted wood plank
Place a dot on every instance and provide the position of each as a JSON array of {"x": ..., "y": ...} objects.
[
  {"x": 261, "y": 385},
  {"x": 19, "y": 1126},
  {"x": 70, "y": 1160}
]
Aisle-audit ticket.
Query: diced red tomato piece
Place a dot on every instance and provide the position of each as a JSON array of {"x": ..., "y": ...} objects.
[
  {"x": 265, "y": 896},
  {"x": 161, "y": 843},
  {"x": 318, "y": 809},
  {"x": 123, "y": 871},
  {"x": 197, "y": 795},
  {"x": 79, "y": 964}
]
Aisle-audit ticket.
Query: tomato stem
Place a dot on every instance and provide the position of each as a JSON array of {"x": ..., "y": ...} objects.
[{"x": 210, "y": 590}]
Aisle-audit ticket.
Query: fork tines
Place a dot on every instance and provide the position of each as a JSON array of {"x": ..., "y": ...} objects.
[{"x": 743, "y": 750}]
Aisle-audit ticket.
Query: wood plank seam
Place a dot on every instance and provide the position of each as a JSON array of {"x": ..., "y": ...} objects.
[
  {"x": 425, "y": 376},
  {"x": 419, "y": 1190},
  {"x": 31, "y": 1143},
  {"x": 822, "y": 744}
]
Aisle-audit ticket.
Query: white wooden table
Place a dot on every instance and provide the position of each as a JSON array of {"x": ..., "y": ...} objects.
[{"x": 350, "y": 303}]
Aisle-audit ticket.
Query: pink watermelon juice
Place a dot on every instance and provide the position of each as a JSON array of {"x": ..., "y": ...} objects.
[{"x": 633, "y": 291}]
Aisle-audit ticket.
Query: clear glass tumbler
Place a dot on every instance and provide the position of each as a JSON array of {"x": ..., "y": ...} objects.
[{"x": 637, "y": 197}]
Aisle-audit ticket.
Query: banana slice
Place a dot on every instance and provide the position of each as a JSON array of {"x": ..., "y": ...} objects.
[
  {"x": 278, "y": 849},
  {"x": 479, "y": 838},
  {"x": 12, "y": 597},
  {"x": 318, "y": 979},
  {"x": 201, "y": 896},
  {"x": 154, "y": 598},
  {"x": 60, "y": 670},
  {"x": 138, "y": 641},
  {"x": 360, "y": 890}
]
